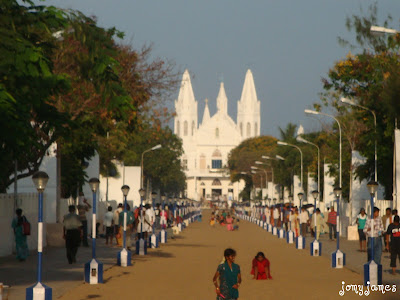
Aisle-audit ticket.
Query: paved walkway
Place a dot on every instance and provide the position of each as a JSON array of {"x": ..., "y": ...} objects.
[{"x": 183, "y": 269}]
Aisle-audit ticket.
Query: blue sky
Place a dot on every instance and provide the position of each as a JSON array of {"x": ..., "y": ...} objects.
[{"x": 288, "y": 45}]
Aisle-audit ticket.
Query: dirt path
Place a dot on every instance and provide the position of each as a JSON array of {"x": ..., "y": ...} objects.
[{"x": 183, "y": 269}]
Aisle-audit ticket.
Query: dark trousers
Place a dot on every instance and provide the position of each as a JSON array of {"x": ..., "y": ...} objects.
[
  {"x": 332, "y": 228},
  {"x": 72, "y": 241},
  {"x": 84, "y": 229},
  {"x": 303, "y": 229},
  {"x": 394, "y": 253}
]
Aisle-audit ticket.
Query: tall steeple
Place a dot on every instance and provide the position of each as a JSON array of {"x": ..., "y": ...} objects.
[
  {"x": 248, "y": 113},
  {"x": 186, "y": 109},
  {"x": 206, "y": 114},
  {"x": 222, "y": 100}
]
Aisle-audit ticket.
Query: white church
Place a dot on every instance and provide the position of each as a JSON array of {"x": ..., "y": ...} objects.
[{"x": 207, "y": 144}]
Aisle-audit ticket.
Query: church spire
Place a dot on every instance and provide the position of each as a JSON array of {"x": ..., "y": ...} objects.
[
  {"x": 249, "y": 94},
  {"x": 222, "y": 100},
  {"x": 186, "y": 95},
  {"x": 206, "y": 114}
]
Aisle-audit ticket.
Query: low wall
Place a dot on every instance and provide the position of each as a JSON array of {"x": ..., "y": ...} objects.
[{"x": 28, "y": 202}]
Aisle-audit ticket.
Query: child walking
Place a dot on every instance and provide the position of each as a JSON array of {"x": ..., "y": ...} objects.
[{"x": 261, "y": 267}]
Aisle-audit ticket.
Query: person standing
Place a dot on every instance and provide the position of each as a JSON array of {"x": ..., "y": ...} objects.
[
  {"x": 294, "y": 221},
  {"x": 83, "y": 207},
  {"x": 276, "y": 215},
  {"x": 229, "y": 277},
  {"x": 303, "y": 218},
  {"x": 332, "y": 223},
  {"x": 116, "y": 223},
  {"x": 393, "y": 232},
  {"x": 377, "y": 231},
  {"x": 72, "y": 233},
  {"x": 361, "y": 220},
  {"x": 21, "y": 245},
  {"x": 316, "y": 221},
  {"x": 108, "y": 224},
  {"x": 387, "y": 219}
]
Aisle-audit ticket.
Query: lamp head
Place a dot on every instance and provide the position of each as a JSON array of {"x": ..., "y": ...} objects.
[
  {"x": 315, "y": 194},
  {"x": 142, "y": 193},
  {"x": 163, "y": 197},
  {"x": 372, "y": 187},
  {"x": 312, "y": 112},
  {"x": 347, "y": 101},
  {"x": 125, "y": 189},
  {"x": 282, "y": 143},
  {"x": 156, "y": 147},
  {"x": 300, "y": 195},
  {"x": 279, "y": 157},
  {"x": 40, "y": 180},
  {"x": 259, "y": 162},
  {"x": 153, "y": 195},
  {"x": 300, "y": 139},
  {"x": 94, "y": 184},
  {"x": 337, "y": 191},
  {"x": 290, "y": 198}
]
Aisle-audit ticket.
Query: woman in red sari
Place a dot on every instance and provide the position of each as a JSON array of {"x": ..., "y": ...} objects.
[{"x": 260, "y": 267}]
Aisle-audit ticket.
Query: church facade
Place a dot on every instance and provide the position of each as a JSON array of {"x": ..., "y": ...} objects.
[{"x": 207, "y": 144}]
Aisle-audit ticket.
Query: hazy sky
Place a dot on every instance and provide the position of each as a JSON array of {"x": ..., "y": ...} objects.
[{"x": 288, "y": 45}]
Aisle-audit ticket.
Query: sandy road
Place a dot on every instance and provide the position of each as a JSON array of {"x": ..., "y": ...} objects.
[{"x": 183, "y": 269}]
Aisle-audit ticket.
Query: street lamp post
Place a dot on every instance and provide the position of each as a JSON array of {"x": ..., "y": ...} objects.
[
  {"x": 351, "y": 102},
  {"x": 290, "y": 234},
  {"x": 141, "y": 162},
  {"x": 300, "y": 240},
  {"x": 94, "y": 268},
  {"x": 338, "y": 257},
  {"x": 280, "y": 143},
  {"x": 372, "y": 270},
  {"x": 39, "y": 291},
  {"x": 124, "y": 256},
  {"x": 141, "y": 244},
  {"x": 153, "y": 240},
  {"x": 315, "y": 246}
]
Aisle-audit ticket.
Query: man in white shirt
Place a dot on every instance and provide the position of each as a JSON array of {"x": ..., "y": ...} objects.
[
  {"x": 108, "y": 224},
  {"x": 303, "y": 218},
  {"x": 267, "y": 213},
  {"x": 276, "y": 216}
]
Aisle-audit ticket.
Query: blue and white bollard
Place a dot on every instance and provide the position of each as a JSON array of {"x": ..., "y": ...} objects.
[
  {"x": 124, "y": 258},
  {"x": 93, "y": 272},
  {"x": 153, "y": 241},
  {"x": 39, "y": 291},
  {"x": 274, "y": 231},
  {"x": 338, "y": 259},
  {"x": 94, "y": 268},
  {"x": 265, "y": 225},
  {"x": 180, "y": 227},
  {"x": 163, "y": 236},
  {"x": 269, "y": 228},
  {"x": 290, "y": 237},
  {"x": 281, "y": 233},
  {"x": 315, "y": 248},
  {"x": 300, "y": 242},
  {"x": 141, "y": 247},
  {"x": 372, "y": 273}
]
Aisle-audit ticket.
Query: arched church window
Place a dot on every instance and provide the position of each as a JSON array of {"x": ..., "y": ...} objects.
[
  {"x": 248, "y": 129},
  {"x": 255, "y": 129},
  {"x": 241, "y": 129},
  {"x": 192, "y": 128},
  {"x": 217, "y": 132},
  {"x": 216, "y": 181},
  {"x": 216, "y": 153},
  {"x": 178, "y": 128},
  {"x": 185, "y": 128}
]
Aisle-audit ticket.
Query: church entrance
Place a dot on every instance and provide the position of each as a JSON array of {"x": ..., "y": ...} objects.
[{"x": 216, "y": 194}]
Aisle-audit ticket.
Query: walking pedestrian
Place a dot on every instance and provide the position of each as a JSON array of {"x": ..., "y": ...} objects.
[
  {"x": 83, "y": 207},
  {"x": 21, "y": 245},
  {"x": 394, "y": 233},
  {"x": 108, "y": 224},
  {"x": 72, "y": 233},
  {"x": 332, "y": 223},
  {"x": 116, "y": 223},
  {"x": 377, "y": 231},
  {"x": 387, "y": 219},
  {"x": 227, "y": 278},
  {"x": 276, "y": 215},
  {"x": 361, "y": 220},
  {"x": 316, "y": 221}
]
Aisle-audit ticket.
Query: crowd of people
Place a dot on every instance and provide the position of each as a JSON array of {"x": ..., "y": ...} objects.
[{"x": 224, "y": 217}]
